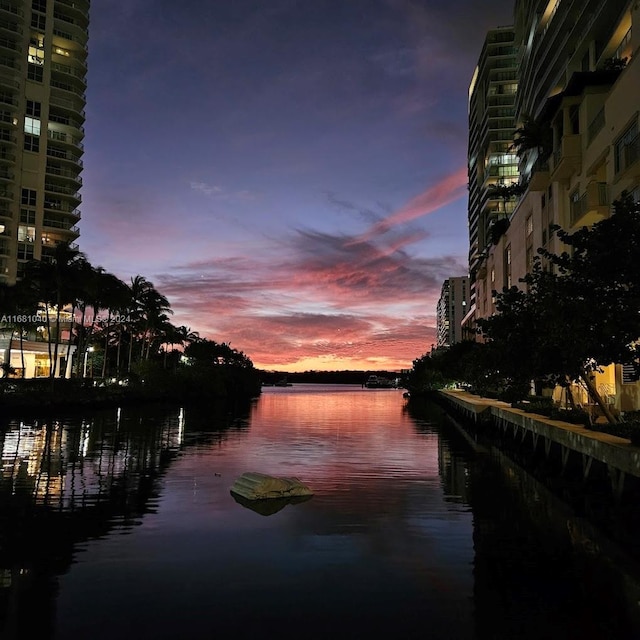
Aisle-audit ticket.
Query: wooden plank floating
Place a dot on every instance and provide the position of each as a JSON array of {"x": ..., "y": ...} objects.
[{"x": 259, "y": 486}]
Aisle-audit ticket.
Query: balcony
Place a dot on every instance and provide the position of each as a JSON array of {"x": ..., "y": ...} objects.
[
  {"x": 540, "y": 177},
  {"x": 75, "y": 6},
  {"x": 61, "y": 226},
  {"x": 9, "y": 44},
  {"x": 68, "y": 192},
  {"x": 60, "y": 136},
  {"x": 592, "y": 206},
  {"x": 59, "y": 206},
  {"x": 62, "y": 154},
  {"x": 67, "y": 74},
  {"x": 9, "y": 25},
  {"x": 567, "y": 158},
  {"x": 73, "y": 106},
  {"x": 67, "y": 174}
]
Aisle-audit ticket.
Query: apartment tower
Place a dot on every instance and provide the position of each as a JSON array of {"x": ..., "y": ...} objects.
[
  {"x": 493, "y": 165},
  {"x": 578, "y": 91},
  {"x": 43, "y": 53},
  {"x": 452, "y": 308}
]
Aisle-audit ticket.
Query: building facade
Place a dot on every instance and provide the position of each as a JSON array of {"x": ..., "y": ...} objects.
[
  {"x": 578, "y": 78},
  {"x": 43, "y": 67},
  {"x": 452, "y": 308},
  {"x": 492, "y": 164},
  {"x": 43, "y": 53}
]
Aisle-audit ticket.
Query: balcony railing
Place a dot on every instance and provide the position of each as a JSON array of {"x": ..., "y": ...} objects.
[
  {"x": 567, "y": 157},
  {"x": 76, "y": 6},
  {"x": 67, "y": 191},
  {"x": 62, "y": 154},
  {"x": 60, "y": 136},
  {"x": 69, "y": 70},
  {"x": 64, "y": 173},
  {"x": 10, "y": 8},
  {"x": 62, "y": 207},
  {"x": 59, "y": 224},
  {"x": 596, "y": 125},
  {"x": 592, "y": 206}
]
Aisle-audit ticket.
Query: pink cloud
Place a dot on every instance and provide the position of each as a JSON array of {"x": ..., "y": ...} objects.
[
  {"x": 448, "y": 190},
  {"x": 321, "y": 301}
]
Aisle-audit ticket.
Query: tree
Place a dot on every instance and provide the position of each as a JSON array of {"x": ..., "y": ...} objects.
[
  {"x": 579, "y": 314},
  {"x": 535, "y": 135},
  {"x": 57, "y": 284}
]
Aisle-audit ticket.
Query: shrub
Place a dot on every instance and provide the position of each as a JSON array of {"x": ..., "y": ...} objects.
[{"x": 628, "y": 429}]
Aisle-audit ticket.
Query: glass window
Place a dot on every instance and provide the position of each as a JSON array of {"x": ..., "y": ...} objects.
[
  {"x": 38, "y": 22},
  {"x": 29, "y": 197},
  {"x": 39, "y": 5},
  {"x": 25, "y": 251},
  {"x": 34, "y": 109},
  {"x": 626, "y": 148},
  {"x": 35, "y": 73},
  {"x": 31, "y": 143},
  {"x": 28, "y": 216},
  {"x": 26, "y": 233},
  {"x": 32, "y": 126}
]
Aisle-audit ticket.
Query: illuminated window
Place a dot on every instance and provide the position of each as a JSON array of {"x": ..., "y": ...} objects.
[
  {"x": 32, "y": 126},
  {"x": 26, "y": 233},
  {"x": 507, "y": 267},
  {"x": 31, "y": 143},
  {"x": 625, "y": 49},
  {"x": 36, "y": 55}
]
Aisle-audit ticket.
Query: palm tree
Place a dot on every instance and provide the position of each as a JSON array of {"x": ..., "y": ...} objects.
[
  {"x": 115, "y": 296},
  {"x": 149, "y": 310},
  {"x": 503, "y": 192},
  {"x": 57, "y": 283},
  {"x": 533, "y": 134}
]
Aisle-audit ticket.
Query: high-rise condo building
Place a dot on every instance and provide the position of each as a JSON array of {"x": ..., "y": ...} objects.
[
  {"x": 493, "y": 166},
  {"x": 578, "y": 100},
  {"x": 43, "y": 53},
  {"x": 452, "y": 308}
]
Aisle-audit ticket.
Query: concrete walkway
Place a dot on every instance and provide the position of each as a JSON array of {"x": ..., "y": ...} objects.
[{"x": 618, "y": 453}]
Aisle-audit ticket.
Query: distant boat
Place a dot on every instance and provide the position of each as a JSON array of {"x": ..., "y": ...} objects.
[
  {"x": 377, "y": 382},
  {"x": 283, "y": 383}
]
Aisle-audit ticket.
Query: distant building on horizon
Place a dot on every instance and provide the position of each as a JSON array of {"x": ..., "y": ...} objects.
[
  {"x": 43, "y": 53},
  {"x": 452, "y": 308}
]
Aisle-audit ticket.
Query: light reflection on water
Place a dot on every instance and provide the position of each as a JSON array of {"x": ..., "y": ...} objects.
[{"x": 137, "y": 535}]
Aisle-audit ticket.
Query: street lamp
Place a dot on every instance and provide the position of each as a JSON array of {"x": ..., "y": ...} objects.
[{"x": 86, "y": 353}]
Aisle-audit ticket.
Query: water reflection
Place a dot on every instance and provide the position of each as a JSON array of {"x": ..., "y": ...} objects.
[
  {"x": 65, "y": 480},
  {"x": 121, "y": 525},
  {"x": 540, "y": 569}
]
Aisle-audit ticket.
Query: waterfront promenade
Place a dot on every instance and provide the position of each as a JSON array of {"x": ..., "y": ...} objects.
[{"x": 618, "y": 454}]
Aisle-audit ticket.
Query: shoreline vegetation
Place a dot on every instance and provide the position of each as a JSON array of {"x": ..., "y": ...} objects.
[
  {"x": 200, "y": 383},
  {"x": 126, "y": 350},
  {"x": 576, "y": 313}
]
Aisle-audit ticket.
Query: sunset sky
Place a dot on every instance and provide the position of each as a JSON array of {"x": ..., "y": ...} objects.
[{"x": 291, "y": 174}]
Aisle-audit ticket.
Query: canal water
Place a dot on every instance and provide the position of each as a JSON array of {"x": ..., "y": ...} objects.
[{"x": 120, "y": 525}]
